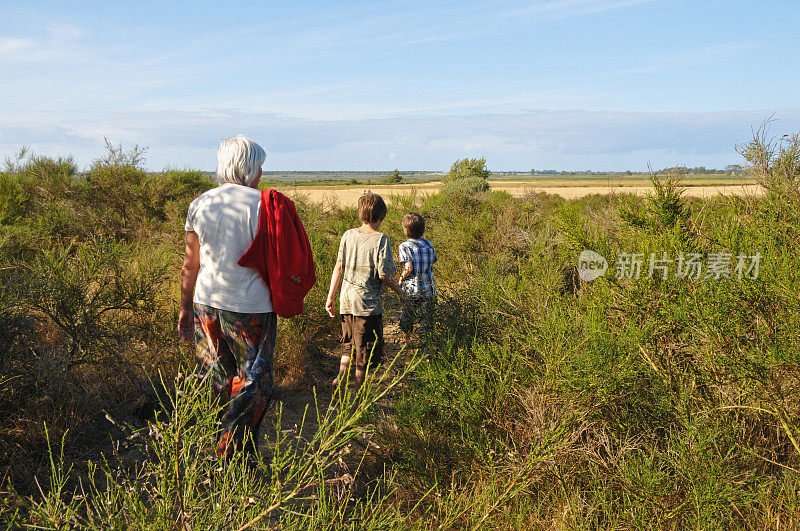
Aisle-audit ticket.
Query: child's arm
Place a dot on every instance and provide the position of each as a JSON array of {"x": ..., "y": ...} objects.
[
  {"x": 336, "y": 281},
  {"x": 388, "y": 280},
  {"x": 406, "y": 272}
]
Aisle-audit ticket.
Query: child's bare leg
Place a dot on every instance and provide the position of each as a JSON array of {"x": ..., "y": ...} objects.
[
  {"x": 360, "y": 375},
  {"x": 342, "y": 369},
  {"x": 407, "y": 321}
]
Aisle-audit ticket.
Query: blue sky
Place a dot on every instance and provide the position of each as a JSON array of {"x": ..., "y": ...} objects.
[{"x": 561, "y": 84}]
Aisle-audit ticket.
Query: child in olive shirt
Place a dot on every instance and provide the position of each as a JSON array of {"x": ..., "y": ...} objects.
[{"x": 363, "y": 265}]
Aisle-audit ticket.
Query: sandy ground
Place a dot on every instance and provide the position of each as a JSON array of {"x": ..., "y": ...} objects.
[{"x": 348, "y": 195}]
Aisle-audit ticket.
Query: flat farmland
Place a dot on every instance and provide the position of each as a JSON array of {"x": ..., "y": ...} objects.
[{"x": 569, "y": 188}]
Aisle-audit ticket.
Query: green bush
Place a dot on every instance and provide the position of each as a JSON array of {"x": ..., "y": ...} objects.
[
  {"x": 466, "y": 169},
  {"x": 466, "y": 177},
  {"x": 85, "y": 307},
  {"x": 465, "y": 186}
]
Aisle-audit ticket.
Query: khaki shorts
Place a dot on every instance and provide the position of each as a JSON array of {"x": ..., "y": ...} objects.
[{"x": 364, "y": 334}]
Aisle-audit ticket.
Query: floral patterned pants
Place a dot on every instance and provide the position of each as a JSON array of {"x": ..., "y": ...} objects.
[{"x": 235, "y": 351}]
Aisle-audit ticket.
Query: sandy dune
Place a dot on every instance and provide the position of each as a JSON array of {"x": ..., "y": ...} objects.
[{"x": 349, "y": 194}]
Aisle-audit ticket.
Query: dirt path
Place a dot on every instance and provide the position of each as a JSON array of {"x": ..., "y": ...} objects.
[
  {"x": 299, "y": 404},
  {"x": 348, "y": 195}
]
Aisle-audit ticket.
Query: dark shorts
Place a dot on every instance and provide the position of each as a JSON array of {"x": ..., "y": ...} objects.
[
  {"x": 365, "y": 336},
  {"x": 418, "y": 310}
]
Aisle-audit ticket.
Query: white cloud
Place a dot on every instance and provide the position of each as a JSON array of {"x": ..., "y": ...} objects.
[
  {"x": 571, "y": 8},
  {"x": 9, "y": 45},
  {"x": 689, "y": 57},
  {"x": 64, "y": 32},
  {"x": 58, "y": 44}
]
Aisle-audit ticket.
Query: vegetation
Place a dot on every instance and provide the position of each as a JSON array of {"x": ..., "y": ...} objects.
[
  {"x": 467, "y": 176},
  {"x": 467, "y": 169},
  {"x": 538, "y": 400},
  {"x": 730, "y": 169},
  {"x": 394, "y": 177}
]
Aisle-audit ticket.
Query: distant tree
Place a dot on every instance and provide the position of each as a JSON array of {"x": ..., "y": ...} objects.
[
  {"x": 394, "y": 177},
  {"x": 700, "y": 170},
  {"x": 734, "y": 168},
  {"x": 466, "y": 169},
  {"x": 680, "y": 170}
]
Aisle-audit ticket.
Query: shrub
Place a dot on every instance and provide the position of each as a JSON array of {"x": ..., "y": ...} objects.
[
  {"x": 466, "y": 186},
  {"x": 100, "y": 297},
  {"x": 12, "y": 200},
  {"x": 467, "y": 169},
  {"x": 776, "y": 165},
  {"x": 466, "y": 177},
  {"x": 663, "y": 209}
]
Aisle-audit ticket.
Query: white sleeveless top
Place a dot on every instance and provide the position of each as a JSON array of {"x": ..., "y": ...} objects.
[{"x": 225, "y": 219}]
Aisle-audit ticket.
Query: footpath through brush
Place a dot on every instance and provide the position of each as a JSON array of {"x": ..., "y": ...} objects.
[{"x": 298, "y": 406}]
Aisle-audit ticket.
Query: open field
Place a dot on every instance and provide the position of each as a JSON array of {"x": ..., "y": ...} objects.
[
  {"x": 322, "y": 178},
  {"x": 566, "y": 188}
]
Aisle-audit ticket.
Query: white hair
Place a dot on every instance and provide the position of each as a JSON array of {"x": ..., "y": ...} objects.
[{"x": 238, "y": 160}]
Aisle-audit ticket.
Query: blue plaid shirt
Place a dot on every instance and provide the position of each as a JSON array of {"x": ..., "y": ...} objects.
[{"x": 422, "y": 256}]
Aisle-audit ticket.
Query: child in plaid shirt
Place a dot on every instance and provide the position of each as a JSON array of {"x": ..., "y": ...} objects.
[{"x": 416, "y": 278}]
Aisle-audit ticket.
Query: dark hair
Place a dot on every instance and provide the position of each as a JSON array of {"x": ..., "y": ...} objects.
[
  {"x": 371, "y": 207},
  {"x": 413, "y": 225}
]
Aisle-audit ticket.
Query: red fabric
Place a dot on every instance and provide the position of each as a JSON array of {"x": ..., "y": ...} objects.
[{"x": 282, "y": 254}]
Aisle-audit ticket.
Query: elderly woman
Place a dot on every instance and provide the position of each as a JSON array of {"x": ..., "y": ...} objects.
[{"x": 226, "y": 307}]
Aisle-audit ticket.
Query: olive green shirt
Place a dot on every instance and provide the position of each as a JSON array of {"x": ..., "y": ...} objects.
[{"x": 364, "y": 257}]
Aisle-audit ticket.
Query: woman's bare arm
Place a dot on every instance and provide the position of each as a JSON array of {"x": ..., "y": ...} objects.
[{"x": 189, "y": 271}]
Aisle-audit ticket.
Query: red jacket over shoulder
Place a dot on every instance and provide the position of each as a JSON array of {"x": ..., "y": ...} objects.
[{"x": 282, "y": 254}]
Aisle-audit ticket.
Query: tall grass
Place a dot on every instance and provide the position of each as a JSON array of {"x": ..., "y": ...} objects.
[
  {"x": 305, "y": 481},
  {"x": 658, "y": 402}
]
